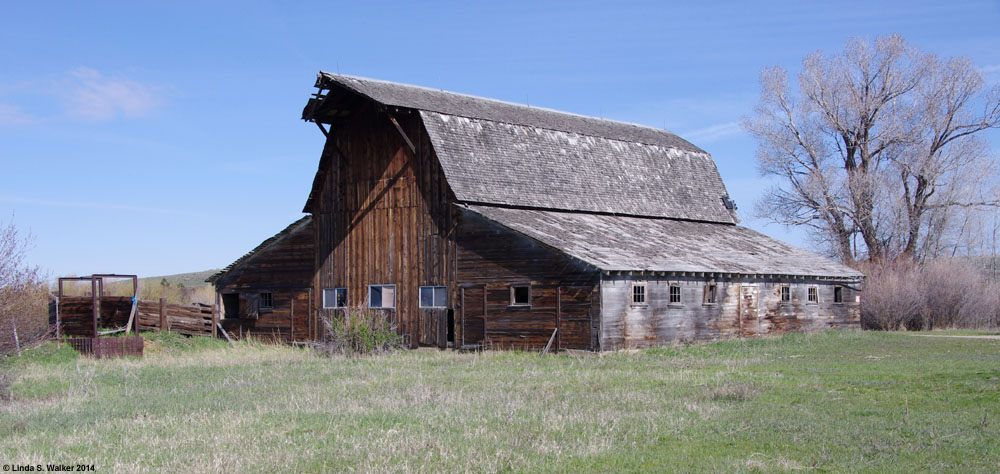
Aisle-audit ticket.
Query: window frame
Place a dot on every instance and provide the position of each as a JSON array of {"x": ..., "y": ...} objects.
[
  {"x": 434, "y": 302},
  {"x": 395, "y": 296},
  {"x": 710, "y": 288},
  {"x": 270, "y": 300},
  {"x": 644, "y": 287},
  {"x": 812, "y": 294},
  {"x": 785, "y": 294},
  {"x": 513, "y": 301},
  {"x": 336, "y": 293},
  {"x": 670, "y": 294}
]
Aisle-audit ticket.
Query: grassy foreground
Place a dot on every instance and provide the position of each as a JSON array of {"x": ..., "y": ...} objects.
[{"x": 831, "y": 402}]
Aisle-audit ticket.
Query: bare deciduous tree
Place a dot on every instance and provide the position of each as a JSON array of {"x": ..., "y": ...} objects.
[
  {"x": 23, "y": 299},
  {"x": 882, "y": 142}
]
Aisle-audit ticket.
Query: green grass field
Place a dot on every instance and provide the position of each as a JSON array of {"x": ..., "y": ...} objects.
[{"x": 829, "y": 402}]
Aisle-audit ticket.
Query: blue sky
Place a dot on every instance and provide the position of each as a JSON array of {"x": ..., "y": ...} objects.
[{"x": 166, "y": 138}]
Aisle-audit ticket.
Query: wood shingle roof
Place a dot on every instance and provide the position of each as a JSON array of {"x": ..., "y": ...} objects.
[
  {"x": 622, "y": 243},
  {"x": 618, "y": 196},
  {"x": 509, "y": 154}
]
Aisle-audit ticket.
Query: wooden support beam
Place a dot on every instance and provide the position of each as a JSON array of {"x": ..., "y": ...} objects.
[
  {"x": 96, "y": 302},
  {"x": 558, "y": 316},
  {"x": 163, "y": 314},
  {"x": 402, "y": 133},
  {"x": 225, "y": 334},
  {"x": 549, "y": 344},
  {"x": 325, "y": 132}
]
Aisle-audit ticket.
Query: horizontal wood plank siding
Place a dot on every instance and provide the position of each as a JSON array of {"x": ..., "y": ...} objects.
[
  {"x": 658, "y": 322},
  {"x": 493, "y": 257}
]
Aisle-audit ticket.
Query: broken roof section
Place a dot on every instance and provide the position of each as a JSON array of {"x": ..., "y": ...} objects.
[
  {"x": 495, "y": 152},
  {"x": 621, "y": 243}
]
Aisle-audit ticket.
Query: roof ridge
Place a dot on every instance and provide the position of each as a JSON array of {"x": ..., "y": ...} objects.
[
  {"x": 574, "y": 132},
  {"x": 512, "y": 104}
]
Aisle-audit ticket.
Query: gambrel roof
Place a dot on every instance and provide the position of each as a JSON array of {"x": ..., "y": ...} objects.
[
  {"x": 508, "y": 154},
  {"x": 618, "y": 196}
]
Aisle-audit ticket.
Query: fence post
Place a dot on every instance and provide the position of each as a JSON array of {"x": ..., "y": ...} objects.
[
  {"x": 96, "y": 303},
  {"x": 17, "y": 343},
  {"x": 163, "y": 314},
  {"x": 215, "y": 321}
]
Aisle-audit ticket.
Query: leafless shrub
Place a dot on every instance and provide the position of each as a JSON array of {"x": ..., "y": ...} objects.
[
  {"x": 23, "y": 292},
  {"x": 891, "y": 298},
  {"x": 357, "y": 331},
  {"x": 936, "y": 295}
]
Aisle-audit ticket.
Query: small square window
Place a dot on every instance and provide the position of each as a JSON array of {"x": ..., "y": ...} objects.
[
  {"x": 382, "y": 296},
  {"x": 433, "y": 297},
  {"x": 786, "y": 294},
  {"x": 838, "y": 294},
  {"x": 639, "y": 293},
  {"x": 675, "y": 293},
  {"x": 266, "y": 300},
  {"x": 520, "y": 295},
  {"x": 335, "y": 297},
  {"x": 711, "y": 291},
  {"x": 813, "y": 295}
]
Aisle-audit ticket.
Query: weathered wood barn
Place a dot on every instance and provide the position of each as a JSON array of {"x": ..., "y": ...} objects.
[
  {"x": 476, "y": 222},
  {"x": 267, "y": 293}
]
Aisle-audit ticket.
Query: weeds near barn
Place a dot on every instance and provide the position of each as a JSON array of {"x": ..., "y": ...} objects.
[
  {"x": 7, "y": 377},
  {"x": 832, "y": 402},
  {"x": 358, "y": 331}
]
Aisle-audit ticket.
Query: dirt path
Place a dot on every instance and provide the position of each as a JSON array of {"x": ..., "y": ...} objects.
[{"x": 963, "y": 337}]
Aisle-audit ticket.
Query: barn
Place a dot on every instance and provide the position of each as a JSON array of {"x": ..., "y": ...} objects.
[
  {"x": 268, "y": 293},
  {"x": 481, "y": 223}
]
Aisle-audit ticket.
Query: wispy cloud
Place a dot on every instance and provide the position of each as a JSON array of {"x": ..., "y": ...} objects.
[
  {"x": 94, "y": 96},
  {"x": 990, "y": 68},
  {"x": 713, "y": 133},
  {"x": 13, "y": 115},
  {"x": 83, "y": 93}
]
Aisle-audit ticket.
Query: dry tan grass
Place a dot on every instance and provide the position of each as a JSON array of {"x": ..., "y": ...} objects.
[{"x": 260, "y": 408}]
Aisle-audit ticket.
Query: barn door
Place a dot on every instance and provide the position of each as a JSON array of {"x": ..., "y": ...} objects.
[
  {"x": 473, "y": 315},
  {"x": 749, "y": 320},
  {"x": 432, "y": 325},
  {"x": 573, "y": 317},
  {"x": 249, "y": 305},
  {"x": 299, "y": 313}
]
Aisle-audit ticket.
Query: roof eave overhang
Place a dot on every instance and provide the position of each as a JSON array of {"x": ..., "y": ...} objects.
[{"x": 729, "y": 274}]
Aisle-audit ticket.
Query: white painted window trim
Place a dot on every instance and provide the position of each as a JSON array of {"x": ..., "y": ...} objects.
[{"x": 395, "y": 296}]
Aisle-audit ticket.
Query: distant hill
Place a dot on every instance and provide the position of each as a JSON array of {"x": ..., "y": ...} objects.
[{"x": 189, "y": 280}]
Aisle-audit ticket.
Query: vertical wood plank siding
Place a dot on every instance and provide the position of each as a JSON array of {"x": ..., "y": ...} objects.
[
  {"x": 661, "y": 322},
  {"x": 383, "y": 216}
]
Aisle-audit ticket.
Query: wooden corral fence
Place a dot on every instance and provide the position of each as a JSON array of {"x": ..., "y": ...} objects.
[
  {"x": 82, "y": 316},
  {"x": 76, "y": 316},
  {"x": 191, "y": 320}
]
